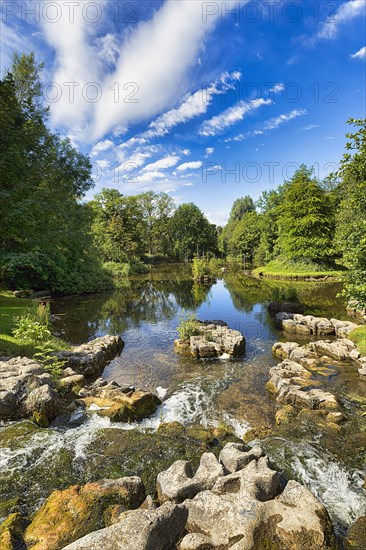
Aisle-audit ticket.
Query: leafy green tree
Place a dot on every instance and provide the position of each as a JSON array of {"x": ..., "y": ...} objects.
[
  {"x": 46, "y": 240},
  {"x": 351, "y": 218},
  {"x": 245, "y": 237},
  {"x": 191, "y": 233},
  {"x": 306, "y": 219},
  {"x": 240, "y": 207},
  {"x": 156, "y": 210}
]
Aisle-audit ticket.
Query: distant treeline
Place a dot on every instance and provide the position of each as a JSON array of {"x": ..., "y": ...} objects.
[{"x": 51, "y": 238}]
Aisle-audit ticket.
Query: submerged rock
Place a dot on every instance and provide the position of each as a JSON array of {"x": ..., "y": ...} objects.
[
  {"x": 69, "y": 514},
  {"x": 216, "y": 339}
]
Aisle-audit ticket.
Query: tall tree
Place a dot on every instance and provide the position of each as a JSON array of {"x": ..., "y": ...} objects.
[
  {"x": 351, "y": 219},
  {"x": 306, "y": 221}
]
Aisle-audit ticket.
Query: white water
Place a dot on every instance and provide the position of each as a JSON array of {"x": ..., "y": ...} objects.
[{"x": 339, "y": 489}]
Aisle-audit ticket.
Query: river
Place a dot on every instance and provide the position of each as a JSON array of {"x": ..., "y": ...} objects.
[{"x": 145, "y": 311}]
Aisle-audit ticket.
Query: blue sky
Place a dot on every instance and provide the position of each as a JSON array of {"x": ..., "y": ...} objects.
[{"x": 207, "y": 101}]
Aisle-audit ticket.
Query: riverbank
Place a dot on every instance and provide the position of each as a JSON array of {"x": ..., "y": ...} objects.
[
  {"x": 280, "y": 269},
  {"x": 11, "y": 308}
]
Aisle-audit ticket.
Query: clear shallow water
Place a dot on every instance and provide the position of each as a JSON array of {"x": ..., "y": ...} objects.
[{"x": 146, "y": 312}]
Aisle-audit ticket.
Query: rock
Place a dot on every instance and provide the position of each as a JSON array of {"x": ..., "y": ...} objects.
[
  {"x": 284, "y": 349},
  {"x": 25, "y": 388},
  {"x": 70, "y": 382},
  {"x": 292, "y": 326},
  {"x": 11, "y": 530},
  {"x": 292, "y": 385},
  {"x": 122, "y": 407},
  {"x": 235, "y": 456},
  {"x": 159, "y": 529},
  {"x": 338, "y": 350},
  {"x": 356, "y": 536},
  {"x": 91, "y": 358},
  {"x": 72, "y": 513},
  {"x": 343, "y": 328},
  {"x": 244, "y": 511},
  {"x": 284, "y": 415},
  {"x": 308, "y": 324},
  {"x": 216, "y": 339},
  {"x": 289, "y": 307},
  {"x": 178, "y": 482}
]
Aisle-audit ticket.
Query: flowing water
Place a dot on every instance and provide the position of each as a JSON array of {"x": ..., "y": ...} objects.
[{"x": 145, "y": 311}]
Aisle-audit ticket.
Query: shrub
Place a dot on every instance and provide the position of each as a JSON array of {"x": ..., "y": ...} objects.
[
  {"x": 117, "y": 270},
  {"x": 188, "y": 327},
  {"x": 201, "y": 269}
]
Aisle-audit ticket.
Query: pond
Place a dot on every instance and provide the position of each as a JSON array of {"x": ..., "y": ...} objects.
[{"x": 145, "y": 311}]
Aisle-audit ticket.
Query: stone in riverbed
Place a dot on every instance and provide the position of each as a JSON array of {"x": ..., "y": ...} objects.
[
  {"x": 70, "y": 514},
  {"x": 356, "y": 536},
  {"x": 214, "y": 341},
  {"x": 159, "y": 529},
  {"x": 235, "y": 456},
  {"x": 178, "y": 483},
  {"x": 91, "y": 358},
  {"x": 121, "y": 407}
]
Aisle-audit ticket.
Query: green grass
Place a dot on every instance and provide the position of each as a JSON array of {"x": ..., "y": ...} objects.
[
  {"x": 358, "y": 336},
  {"x": 10, "y": 309},
  {"x": 290, "y": 269}
]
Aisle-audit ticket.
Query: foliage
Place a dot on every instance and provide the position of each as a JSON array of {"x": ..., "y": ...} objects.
[
  {"x": 117, "y": 270},
  {"x": 201, "y": 269},
  {"x": 45, "y": 237},
  {"x": 306, "y": 221},
  {"x": 51, "y": 363},
  {"x": 358, "y": 336},
  {"x": 351, "y": 218},
  {"x": 302, "y": 268},
  {"x": 191, "y": 233},
  {"x": 241, "y": 207},
  {"x": 188, "y": 326}
]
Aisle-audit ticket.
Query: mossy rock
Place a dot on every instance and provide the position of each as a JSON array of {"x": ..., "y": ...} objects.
[
  {"x": 9, "y": 506},
  {"x": 16, "y": 436},
  {"x": 285, "y": 415},
  {"x": 259, "y": 432},
  {"x": 11, "y": 532},
  {"x": 123, "y": 408},
  {"x": 70, "y": 514},
  {"x": 270, "y": 387},
  {"x": 171, "y": 429},
  {"x": 356, "y": 536}
]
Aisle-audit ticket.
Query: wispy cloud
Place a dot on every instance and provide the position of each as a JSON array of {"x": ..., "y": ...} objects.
[
  {"x": 209, "y": 151},
  {"x": 330, "y": 28},
  {"x": 193, "y": 165},
  {"x": 361, "y": 54},
  {"x": 167, "y": 162},
  {"x": 310, "y": 127},
  {"x": 194, "y": 105},
  {"x": 101, "y": 146},
  {"x": 282, "y": 119},
  {"x": 231, "y": 116}
]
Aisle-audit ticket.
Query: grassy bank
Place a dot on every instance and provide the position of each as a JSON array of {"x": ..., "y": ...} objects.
[
  {"x": 358, "y": 336},
  {"x": 11, "y": 309},
  {"x": 297, "y": 270}
]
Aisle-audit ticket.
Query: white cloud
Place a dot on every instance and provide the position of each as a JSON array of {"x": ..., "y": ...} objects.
[
  {"x": 345, "y": 13},
  {"x": 209, "y": 151},
  {"x": 230, "y": 116},
  {"x": 186, "y": 152},
  {"x": 277, "y": 88},
  {"x": 361, "y": 54},
  {"x": 155, "y": 58},
  {"x": 101, "y": 146},
  {"x": 167, "y": 162},
  {"x": 194, "y": 105},
  {"x": 193, "y": 165},
  {"x": 310, "y": 127},
  {"x": 276, "y": 122}
]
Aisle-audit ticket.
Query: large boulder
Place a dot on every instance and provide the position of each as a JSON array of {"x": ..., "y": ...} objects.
[
  {"x": 246, "y": 510},
  {"x": 311, "y": 325},
  {"x": 178, "y": 483},
  {"x": 159, "y": 529},
  {"x": 72, "y": 513}
]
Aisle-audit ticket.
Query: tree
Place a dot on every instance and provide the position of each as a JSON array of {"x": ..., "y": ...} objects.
[
  {"x": 156, "y": 211},
  {"x": 351, "y": 218},
  {"x": 46, "y": 239},
  {"x": 191, "y": 233},
  {"x": 241, "y": 207},
  {"x": 245, "y": 236},
  {"x": 306, "y": 221}
]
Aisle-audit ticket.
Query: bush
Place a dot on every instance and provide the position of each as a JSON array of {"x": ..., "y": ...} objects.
[
  {"x": 188, "y": 327},
  {"x": 117, "y": 270},
  {"x": 201, "y": 269}
]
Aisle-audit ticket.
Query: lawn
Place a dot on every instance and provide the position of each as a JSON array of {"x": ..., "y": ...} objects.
[
  {"x": 11, "y": 307},
  {"x": 358, "y": 336},
  {"x": 290, "y": 270}
]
